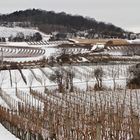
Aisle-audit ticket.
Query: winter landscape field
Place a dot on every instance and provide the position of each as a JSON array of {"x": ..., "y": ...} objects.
[
  {"x": 67, "y": 76},
  {"x": 49, "y": 91}
]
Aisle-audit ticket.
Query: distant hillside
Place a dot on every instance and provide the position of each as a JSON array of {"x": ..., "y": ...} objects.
[{"x": 49, "y": 21}]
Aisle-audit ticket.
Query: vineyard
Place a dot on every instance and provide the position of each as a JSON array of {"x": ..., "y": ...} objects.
[
  {"x": 61, "y": 90},
  {"x": 62, "y": 103}
]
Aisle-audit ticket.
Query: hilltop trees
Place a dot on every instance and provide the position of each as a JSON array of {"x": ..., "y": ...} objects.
[
  {"x": 49, "y": 21},
  {"x": 20, "y": 37},
  {"x": 2, "y": 39},
  {"x": 37, "y": 36}
]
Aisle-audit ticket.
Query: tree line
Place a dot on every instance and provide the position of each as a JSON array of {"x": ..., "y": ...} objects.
[
  {"x": 49, "y": 21},
  {"x": 20, "y": 37}
]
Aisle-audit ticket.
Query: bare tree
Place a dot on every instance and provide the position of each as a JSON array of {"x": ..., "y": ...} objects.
[
  {"x": 51, "y": 60},
  {"x": 31, "y": 78},
  {"x": 69, "y": 79},
  {"x": 98, "y": 73},
  {"x": 63, "y": 56},
  {"x": 16, "y": 80},
  {"x": 134, "y": 80},
  {"x": 87, "y": 77},
  {"x": 58, "y": 78},
  {"x": 114, "y": 75}
]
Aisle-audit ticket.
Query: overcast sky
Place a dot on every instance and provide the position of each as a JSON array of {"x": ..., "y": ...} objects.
[{"x": 123, "y": 13}]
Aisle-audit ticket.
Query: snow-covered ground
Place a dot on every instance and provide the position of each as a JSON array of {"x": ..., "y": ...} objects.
[
  {"x": 13, "y": 81},
  {"x": 81, "y": 72},
  {"x": 38, "y": 78},
  {"x": 26, "y": 51},
  {"x": 136, "y": 41},
  {"x": 8, "y": 31},
  {"x": 6, "y": 135}
]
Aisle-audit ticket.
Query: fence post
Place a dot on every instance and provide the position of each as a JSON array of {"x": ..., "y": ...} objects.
[
  {"x": 98, "y": 131},
  {"x": 135, "y": 127}
]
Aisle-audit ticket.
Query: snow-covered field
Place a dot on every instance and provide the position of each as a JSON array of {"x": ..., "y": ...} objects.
[
  {"x": 9, "y": 31},
  {"x": 38, "y": 79},
  {"x": 82, "y": 73},
  {"x": 15, "y": 88},
  {"x": 26, "y": 51},
  {"x": 33, "y": 87},
  {"x": 6, "y": 135}
]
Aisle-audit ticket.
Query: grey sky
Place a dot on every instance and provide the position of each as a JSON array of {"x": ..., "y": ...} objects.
[{"x": 124, "y": 13}]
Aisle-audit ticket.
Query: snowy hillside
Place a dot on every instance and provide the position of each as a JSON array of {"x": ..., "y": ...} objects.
[
  {"x": 7, "y": 32},
  {"x": 33, "y": 98}
]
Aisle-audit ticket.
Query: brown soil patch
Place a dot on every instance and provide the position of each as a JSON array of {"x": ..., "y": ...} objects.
[{"x": 104, "y": 41}]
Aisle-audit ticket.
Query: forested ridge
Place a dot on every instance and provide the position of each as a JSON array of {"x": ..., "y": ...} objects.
[{"x": 49, "y": 21}]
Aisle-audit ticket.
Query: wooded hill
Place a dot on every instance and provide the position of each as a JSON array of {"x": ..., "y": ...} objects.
[{"x": 49, "y": 21}]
